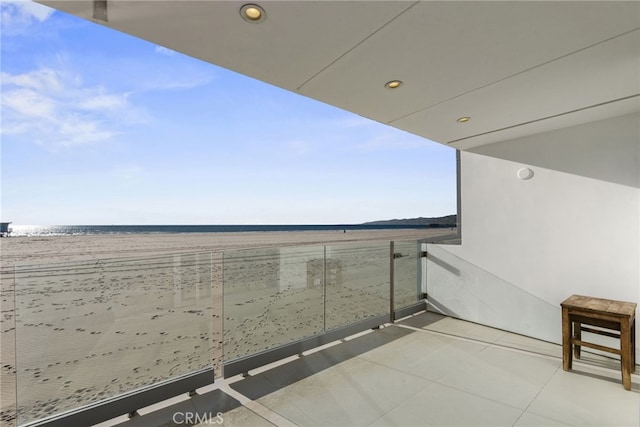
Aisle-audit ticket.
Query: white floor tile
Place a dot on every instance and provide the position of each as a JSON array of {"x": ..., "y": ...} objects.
[
  {"x": 449, "y": 373},
  {"x": 353, "y": 398},
  {"x": 530, "y": 344},
  {"x": 588, "y": 398},
  {"x": 450, "y": 325},
  {"x": 242, "y": 417},
  {"x": 502, "y": 375},
  {"x": 444, "y": 355},
  {"x": 532, "y": 420},
  {"x": 439, "y": 405}
]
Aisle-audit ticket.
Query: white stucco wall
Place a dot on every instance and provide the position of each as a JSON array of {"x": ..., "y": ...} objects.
[{"x": 574, "y": 228}]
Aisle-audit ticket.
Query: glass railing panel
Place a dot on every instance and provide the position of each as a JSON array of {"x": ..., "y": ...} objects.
[
  {"x": 270, "y": 299},
  {"x": 357, "y": 278},
  {"x": 406, "y": 269},
  {"x": 458, "y": 288},
  {"x": 93, "y": 330}
]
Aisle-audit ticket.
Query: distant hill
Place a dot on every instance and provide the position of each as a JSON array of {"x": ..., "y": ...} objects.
[{"x": 443, "y": 221}]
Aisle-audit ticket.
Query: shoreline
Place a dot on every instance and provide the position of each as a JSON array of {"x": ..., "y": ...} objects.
[{"x": 81, "y": 230}]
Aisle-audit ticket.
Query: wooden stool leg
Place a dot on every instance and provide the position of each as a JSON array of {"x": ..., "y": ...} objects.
[
  {"x": 633, "y": 346},
  {"x": 625, "y": 356},
  {"x": 577, "y": 334},
  {"x": 567, "y": 354}
]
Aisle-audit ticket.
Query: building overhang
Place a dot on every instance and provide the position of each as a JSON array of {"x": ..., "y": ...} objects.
[{"x": 514, "y": 68}]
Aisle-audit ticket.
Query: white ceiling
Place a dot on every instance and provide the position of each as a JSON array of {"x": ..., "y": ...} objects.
[{"x": 515, "y": 67}]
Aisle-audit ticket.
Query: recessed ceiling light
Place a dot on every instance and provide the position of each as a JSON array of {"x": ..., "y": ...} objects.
[
  {"x": 393, "y": 84},
  {"x": 463, "y": 119},
  {"x": 252, "y": 13}
]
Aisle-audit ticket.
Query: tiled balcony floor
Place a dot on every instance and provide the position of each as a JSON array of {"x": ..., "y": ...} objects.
[{"x": 425, "y": 370}]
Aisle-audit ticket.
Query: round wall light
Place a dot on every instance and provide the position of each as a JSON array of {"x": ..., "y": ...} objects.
[
  {"x": 525, "y": 174},
  {"x": 393, "y": 84},
  {"x": 253, "y": 13}
]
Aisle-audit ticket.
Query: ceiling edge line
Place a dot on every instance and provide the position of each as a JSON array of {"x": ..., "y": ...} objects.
[
  {"x": 513, "y": 75},
  {"x": 545, "y": 118},
  {"x": 355, "y": 46}
]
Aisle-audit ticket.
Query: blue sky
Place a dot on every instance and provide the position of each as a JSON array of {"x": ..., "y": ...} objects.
[{"x": 102, "y": 128}]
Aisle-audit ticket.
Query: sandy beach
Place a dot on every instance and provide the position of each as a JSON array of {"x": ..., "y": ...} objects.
[{"x": 101, "y": 315}]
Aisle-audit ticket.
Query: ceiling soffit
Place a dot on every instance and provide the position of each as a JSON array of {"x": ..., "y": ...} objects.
[
  {"x": 503, "y": 63},
  {"x": 296, "y": 41},
  {"x": 609, "y": 73}
]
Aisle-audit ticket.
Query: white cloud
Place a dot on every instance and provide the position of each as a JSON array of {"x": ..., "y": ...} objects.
[
  {"x": 28, "y": 103},
  {"x": 31, "y": 10},
  {"x": 43, "y": 79},
  {"x": 81, "y": 130},
  {"x": 164, "y": 51},
  {"x": 18, "y": 15},
  {"x": 176, "y": 82},
  {"x": 105, "y": 102},
  {"x": 54, "y": 109}
]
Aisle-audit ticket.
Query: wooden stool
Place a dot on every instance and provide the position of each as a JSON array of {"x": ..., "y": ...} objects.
[{"x": 603, "y": 313}]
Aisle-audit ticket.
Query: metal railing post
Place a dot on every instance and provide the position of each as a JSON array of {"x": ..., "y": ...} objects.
[{"x": 392, "y": 316}]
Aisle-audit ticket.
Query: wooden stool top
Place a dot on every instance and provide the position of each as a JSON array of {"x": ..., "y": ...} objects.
[{"x": 601, "y": 305}]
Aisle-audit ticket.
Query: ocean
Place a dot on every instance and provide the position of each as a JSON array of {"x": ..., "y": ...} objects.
[{"x": 78, "y": 230}]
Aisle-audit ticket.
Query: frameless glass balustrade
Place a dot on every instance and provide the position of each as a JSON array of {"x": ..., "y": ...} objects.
[
  {"x": 357, "y": 283},
  {"x": 269, "y": 298},
  {"x": 406, "y": 264},
  {"x": 92, "y": 330}
]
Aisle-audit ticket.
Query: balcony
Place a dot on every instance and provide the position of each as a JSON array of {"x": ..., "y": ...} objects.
[
  {"x": 426, "y": 369},
  {"x": 309, "y": 335}
]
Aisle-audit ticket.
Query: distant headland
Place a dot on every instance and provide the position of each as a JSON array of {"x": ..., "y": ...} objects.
[{"x": 436, "y": 222}]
